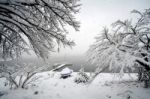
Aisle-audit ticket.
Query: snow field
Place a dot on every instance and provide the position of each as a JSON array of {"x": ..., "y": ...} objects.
[{"x": 105, "y": 86}]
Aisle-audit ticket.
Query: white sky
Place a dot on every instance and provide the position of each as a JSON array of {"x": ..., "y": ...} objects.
[{"x": 95, "y": 14}]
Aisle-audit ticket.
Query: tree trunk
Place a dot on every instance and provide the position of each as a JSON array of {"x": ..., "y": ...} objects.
[{"x": 145, "y": 66}]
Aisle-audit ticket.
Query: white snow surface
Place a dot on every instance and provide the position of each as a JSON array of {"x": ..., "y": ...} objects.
[
  {"x": 66, "y": 71},
  {"x": 105, "y": 86}
]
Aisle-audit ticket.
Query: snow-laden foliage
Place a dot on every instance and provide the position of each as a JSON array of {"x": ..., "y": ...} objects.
[
  {"x": 123, "y": 47},
  {"x": 38, "y": 23},
  {"x": 19, "y": 76},
  {"x": 109, "y": 52},
  {"x": 82, "y": 77}
]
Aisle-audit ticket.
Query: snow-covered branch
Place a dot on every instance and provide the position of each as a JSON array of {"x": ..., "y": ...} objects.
[
  {"x": 124, "y": 47},
  {"x": 43, "y": 22}
]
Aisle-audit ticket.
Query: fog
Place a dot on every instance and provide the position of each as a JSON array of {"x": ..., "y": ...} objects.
[{"x": 93, "y": 16}]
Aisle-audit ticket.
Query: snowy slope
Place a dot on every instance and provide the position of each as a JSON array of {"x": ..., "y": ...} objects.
[{"x": 105, "y": 86}]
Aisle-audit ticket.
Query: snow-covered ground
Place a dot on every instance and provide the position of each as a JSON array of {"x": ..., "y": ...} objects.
[{"x": 105, "y": 86}]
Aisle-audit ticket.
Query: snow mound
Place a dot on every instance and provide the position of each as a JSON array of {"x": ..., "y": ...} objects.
[{"x": 66, "y": 71}]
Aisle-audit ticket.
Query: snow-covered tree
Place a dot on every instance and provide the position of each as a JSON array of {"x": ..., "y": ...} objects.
[
  {"x": 124, "y": 47},
  {"x": 35, "y": 24}
]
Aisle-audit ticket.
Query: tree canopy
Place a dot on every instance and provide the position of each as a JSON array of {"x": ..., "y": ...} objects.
[
  {"x": 36, "y": 24},
  {"x": 123, "y": 47}
]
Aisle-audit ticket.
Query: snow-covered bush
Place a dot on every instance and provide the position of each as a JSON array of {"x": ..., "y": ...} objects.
[
  {"x": 19, "y": 76},
  {"x": 82, "y": 77}
]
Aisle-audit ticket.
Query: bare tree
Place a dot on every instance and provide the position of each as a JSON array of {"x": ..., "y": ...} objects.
[{"x": 36, "y": 24}]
